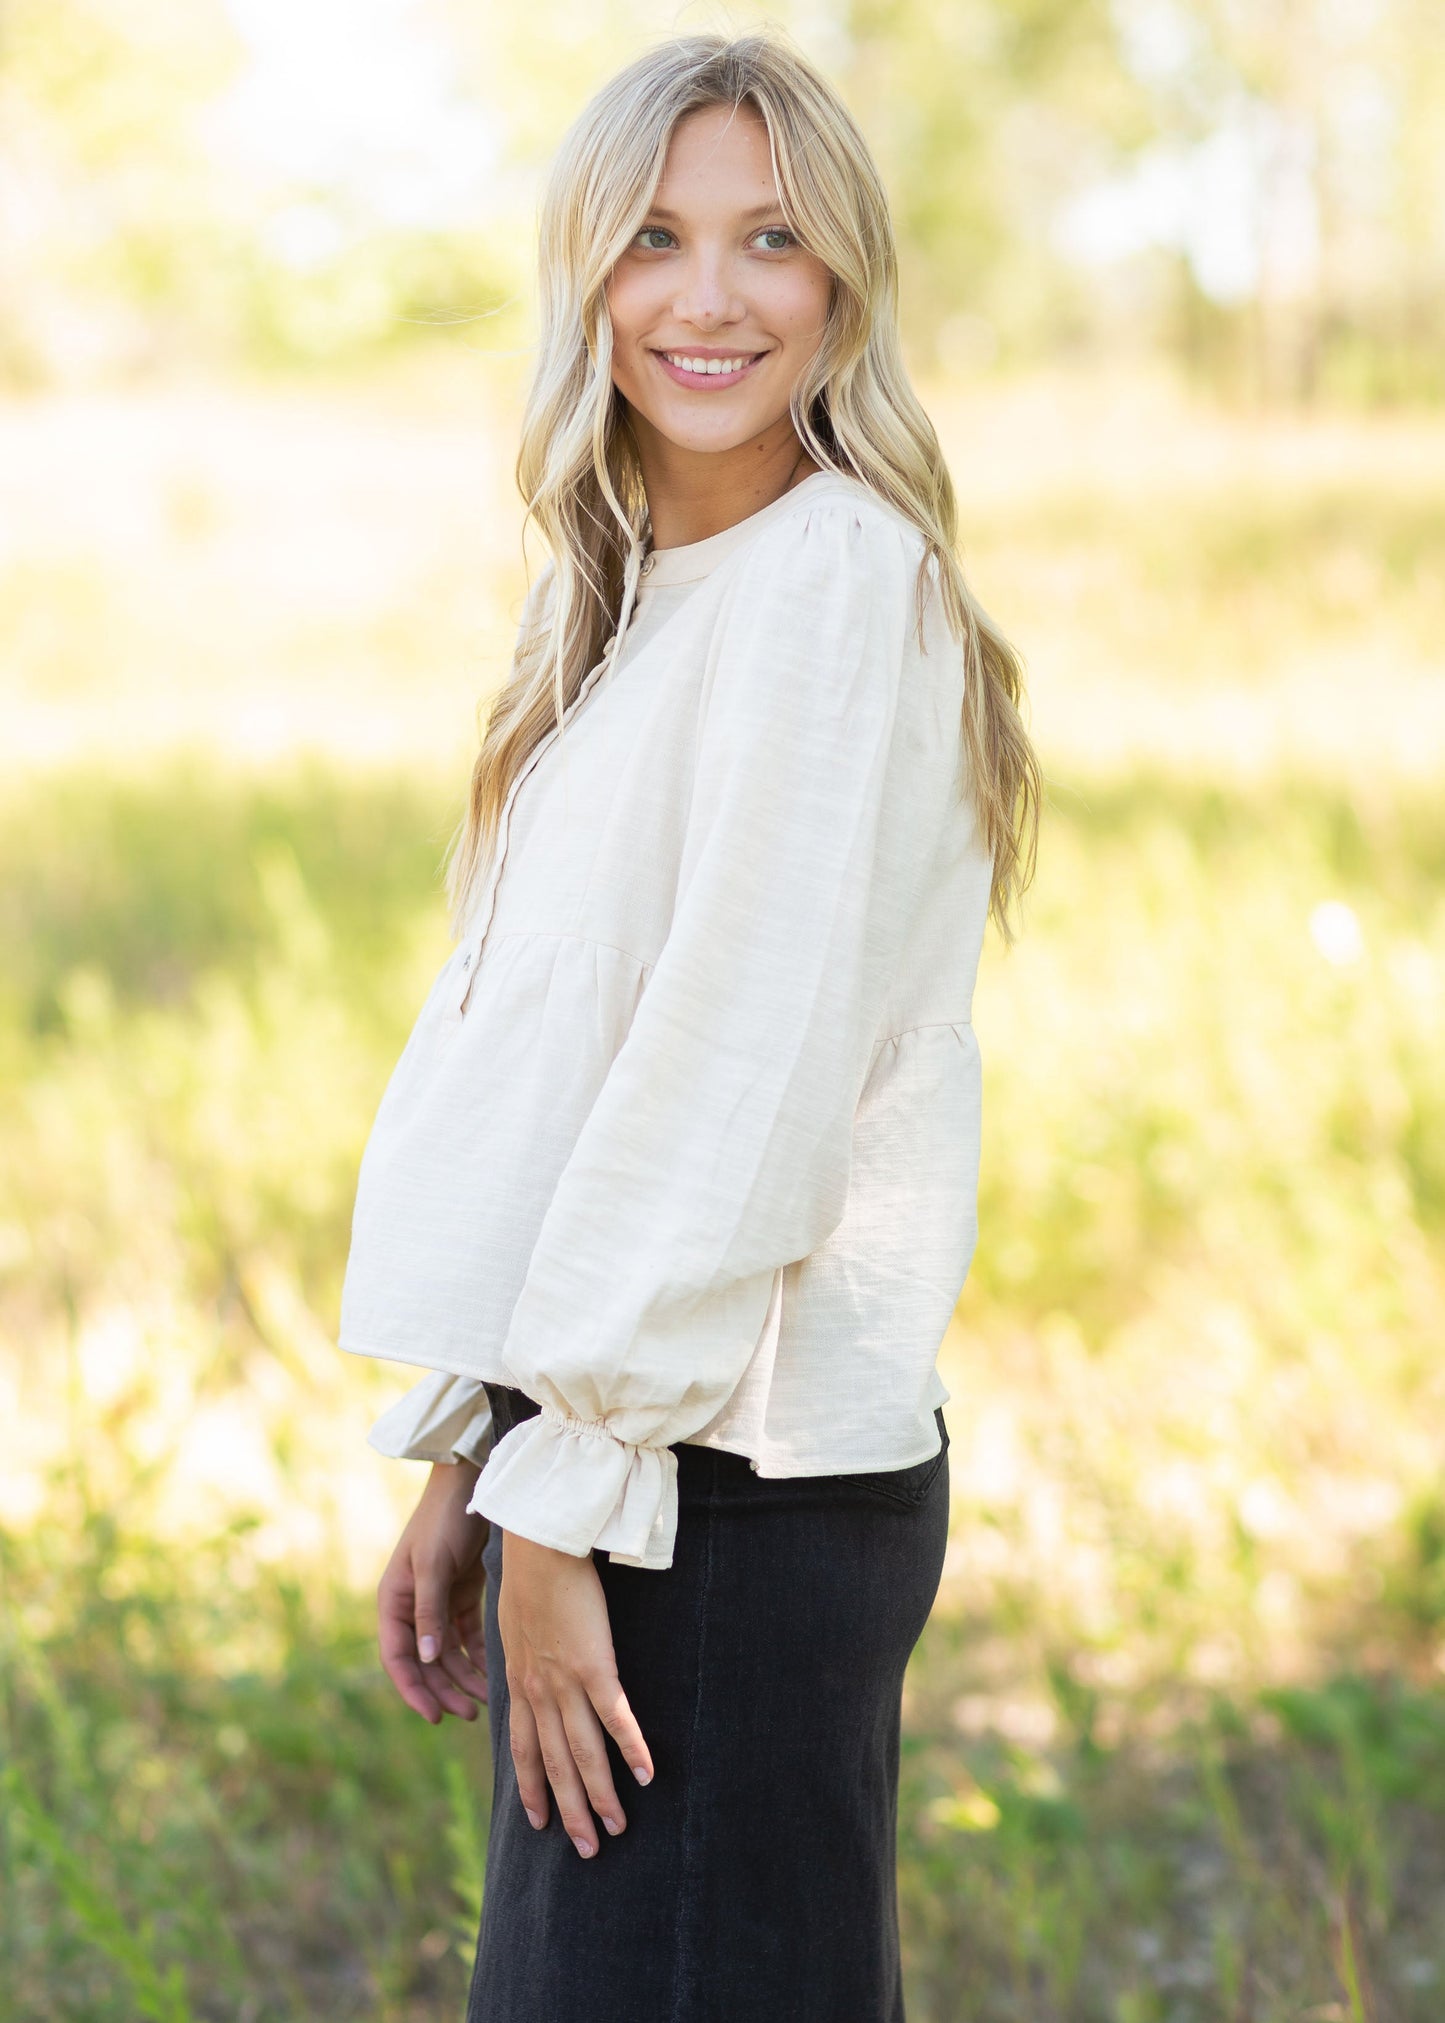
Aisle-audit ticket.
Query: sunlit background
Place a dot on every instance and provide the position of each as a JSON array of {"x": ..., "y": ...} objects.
[{"x": 1174, "y": 273}]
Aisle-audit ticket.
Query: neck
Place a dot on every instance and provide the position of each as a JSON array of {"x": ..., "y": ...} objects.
[{"x": 691, "y": 496}]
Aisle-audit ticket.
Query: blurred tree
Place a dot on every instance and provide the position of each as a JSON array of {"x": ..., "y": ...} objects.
[
  {"x": 1332, "y": 109},
  {"x": 1261, "y": 182},
  {"x": 134, "y": 235},
  {"x": 985, "y": 115},
  {"x": 106, "y": 199}
]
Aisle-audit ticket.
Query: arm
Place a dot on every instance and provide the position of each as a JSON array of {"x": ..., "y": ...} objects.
[{"x": 719, "y": 1146}]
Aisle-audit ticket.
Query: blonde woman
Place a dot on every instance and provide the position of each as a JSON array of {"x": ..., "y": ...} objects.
[{"x": 673, "y": 1187}]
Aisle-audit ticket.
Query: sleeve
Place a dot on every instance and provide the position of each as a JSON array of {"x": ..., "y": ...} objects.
[
  {"x": 443, "y": 1418},
  {"x": 719, "y": 1146}
]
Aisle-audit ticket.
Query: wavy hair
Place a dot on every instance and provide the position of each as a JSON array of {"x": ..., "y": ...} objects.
[{"x": 853, "y": 409}]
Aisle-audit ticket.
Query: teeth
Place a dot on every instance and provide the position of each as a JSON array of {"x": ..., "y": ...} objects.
[{"x": 706, "y": 364}]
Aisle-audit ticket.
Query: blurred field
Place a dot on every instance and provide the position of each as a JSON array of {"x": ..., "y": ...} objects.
[{"x": 1176, "y": 1737}]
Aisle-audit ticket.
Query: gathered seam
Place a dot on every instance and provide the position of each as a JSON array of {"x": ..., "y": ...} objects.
[
  {"x": 924, "y": 1026},
  {"x": 558, "y": 934},
  {"x": 599, "y": 1428}
]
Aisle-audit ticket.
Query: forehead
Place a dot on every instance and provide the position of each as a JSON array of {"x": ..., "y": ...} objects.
[{"x": 717, "y": 161}]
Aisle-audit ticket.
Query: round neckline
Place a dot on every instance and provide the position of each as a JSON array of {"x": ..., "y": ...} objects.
[{"x": 696, "y": 559}]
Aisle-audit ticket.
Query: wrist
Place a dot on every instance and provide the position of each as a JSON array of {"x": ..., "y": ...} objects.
[
  {"x": 530, "y": 1552},
  {"x": 450, "y": 1479}
]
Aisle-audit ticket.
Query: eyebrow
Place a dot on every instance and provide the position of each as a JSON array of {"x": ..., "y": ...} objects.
[{"x": 773, "y": 205}]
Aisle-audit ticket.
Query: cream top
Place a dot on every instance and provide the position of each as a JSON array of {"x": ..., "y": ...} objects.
[{"x": 684, "y": 1143}]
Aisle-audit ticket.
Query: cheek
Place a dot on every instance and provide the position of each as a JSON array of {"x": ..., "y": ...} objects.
[
  {"x": 630, "y": 306},
  {"x": 800, "y": 308}
]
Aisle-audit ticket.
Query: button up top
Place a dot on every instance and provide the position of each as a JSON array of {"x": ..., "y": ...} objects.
[{"x": 684, "y": 1143}]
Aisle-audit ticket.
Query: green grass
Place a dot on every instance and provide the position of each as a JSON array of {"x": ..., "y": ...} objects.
[
  {"x": 1176, "y": 1736},
  {"x": 214, "y": 1806}
]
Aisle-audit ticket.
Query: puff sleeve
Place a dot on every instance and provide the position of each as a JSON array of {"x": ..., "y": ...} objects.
[
  {"x": 718, "y": 1148},
  {"x": 443, "y": 1418}
]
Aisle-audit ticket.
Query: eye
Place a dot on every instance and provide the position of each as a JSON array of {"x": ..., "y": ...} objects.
[
  {"x": 776, "y": 232},
  {"x": 647, "y": 232}
]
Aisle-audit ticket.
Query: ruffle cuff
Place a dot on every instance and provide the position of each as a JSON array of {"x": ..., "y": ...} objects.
[
  {"x": 572, "y": 1484},
  {"x": 443, "y": 1418}
]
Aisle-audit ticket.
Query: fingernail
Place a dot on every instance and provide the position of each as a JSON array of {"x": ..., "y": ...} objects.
[
  {"x": 535, "y": 1817},
  {"x": 612, "y": 1825},
  {"x": 428, "y": 1649},
  {"x": 643, "y": 1776},
  {"x": 583, "y": 1847}
]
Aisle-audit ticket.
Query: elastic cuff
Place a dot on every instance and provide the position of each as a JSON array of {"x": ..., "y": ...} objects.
[
  {"x": 443, "y": 1418},
  {"x": 573, "y": 1485}
]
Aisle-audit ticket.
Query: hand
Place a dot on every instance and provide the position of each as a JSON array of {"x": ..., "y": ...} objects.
[
  {"x": 429, "y": 1602},
  {"x": 565, "y": 1691}
]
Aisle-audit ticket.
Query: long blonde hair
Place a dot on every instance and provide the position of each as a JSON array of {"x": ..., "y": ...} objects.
[{"x": 853, "y": 409}]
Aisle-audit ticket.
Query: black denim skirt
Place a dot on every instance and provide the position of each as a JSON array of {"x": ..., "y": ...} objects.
[{"x": 756, "y": 1880}]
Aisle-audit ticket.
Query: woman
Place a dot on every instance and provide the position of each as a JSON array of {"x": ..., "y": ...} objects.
[{"x": 673, "y": 1187}]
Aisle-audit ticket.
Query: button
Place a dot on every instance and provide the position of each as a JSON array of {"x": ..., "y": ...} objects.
[{"x": 652, "y": 557}]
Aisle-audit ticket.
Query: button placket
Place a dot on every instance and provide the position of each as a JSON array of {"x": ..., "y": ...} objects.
[{"x": 471, "y": 961}]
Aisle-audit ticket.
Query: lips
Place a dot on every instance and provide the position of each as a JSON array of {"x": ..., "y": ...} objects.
[{"x": 681, "y": 377}]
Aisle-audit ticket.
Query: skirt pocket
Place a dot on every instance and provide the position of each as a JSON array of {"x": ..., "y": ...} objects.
[{"x": 906, "y": 1486}]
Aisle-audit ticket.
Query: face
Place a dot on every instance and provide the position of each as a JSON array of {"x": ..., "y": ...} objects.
[{"x": 714, "y": 274}]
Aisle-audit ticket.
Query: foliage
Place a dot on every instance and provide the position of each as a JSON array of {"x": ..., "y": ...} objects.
[
  {"x": 1175, "y": 1738},
  {"x": 214, "y": 1804},
  {"x": 984, "y": 115},
  {"x": 1197, "y": 1350},
  {"x": 135, "y": 242},
  {"x": 1296, "y": 146}
]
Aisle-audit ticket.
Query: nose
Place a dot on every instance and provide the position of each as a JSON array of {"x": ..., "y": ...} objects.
[{"x": 706, "y": 297}]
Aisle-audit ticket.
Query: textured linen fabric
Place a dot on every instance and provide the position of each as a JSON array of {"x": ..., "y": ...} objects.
[
  {"x": 684, "y": 1143},
  {"x": 444, "y": 1418}
]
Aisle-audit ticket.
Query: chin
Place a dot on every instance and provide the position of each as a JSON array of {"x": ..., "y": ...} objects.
[
  {"x": 697, "y": 444},
  {"x": 685, "y": 431}
]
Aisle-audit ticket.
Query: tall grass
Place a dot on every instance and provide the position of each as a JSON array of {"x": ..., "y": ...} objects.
[
  {"x": 1176, "y": 1726},
  {"x": 1175, "y": 1746}
]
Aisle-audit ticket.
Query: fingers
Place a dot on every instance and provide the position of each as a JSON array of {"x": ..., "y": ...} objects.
[
  {"x": 407, "y": 1612},
  {"x": 459, "y": 1667},
  {"x": 618, "y": 1719},
  {"x": 396, "y": 1638},
  {"x": 527, "y": 1759},
  {"x": 465, "y": 1657},
  {"x": 433, "y": 1591},
  {"x": 467, "y": 1615},
  {"x": 588, "y": 1746},
  {"x": 476, "y": 1684},
  {"x": 449, "y": 1695},
  {"x": 562, "y": 1775},
  {"x": 445, "y": 1667},
  {"x": 561, "y": 1742}
]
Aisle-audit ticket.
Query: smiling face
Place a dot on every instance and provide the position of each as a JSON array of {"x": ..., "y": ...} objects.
[{"x": 716, "y": 309}]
